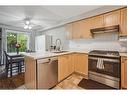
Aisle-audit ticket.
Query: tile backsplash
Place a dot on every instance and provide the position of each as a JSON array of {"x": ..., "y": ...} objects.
[
  {"x": 100, "y": 42},
  {"x": 107, "y": 41}
]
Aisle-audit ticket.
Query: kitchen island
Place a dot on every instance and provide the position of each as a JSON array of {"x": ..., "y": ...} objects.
[{"x": 34, "y": 71}]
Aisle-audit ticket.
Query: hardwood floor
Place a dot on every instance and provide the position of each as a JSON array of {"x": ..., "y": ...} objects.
[
  {"x": 12, "y": 82},
  {"x": 17, "y": 82}
]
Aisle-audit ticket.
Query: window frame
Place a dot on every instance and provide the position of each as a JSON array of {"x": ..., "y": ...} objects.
[{"x": 18, "y": 32}]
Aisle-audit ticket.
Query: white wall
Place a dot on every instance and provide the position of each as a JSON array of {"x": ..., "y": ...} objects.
[{"x": 58, "y": 33}]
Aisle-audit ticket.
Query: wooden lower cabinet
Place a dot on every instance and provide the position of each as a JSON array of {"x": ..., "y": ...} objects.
[
  {"x": 30, "y": 73},
  {"x": 81, "y": 66},
  {"x": 76, "y": 62},
  {"x": 124, "y": 72},
  {"x": 65, "y": 66}
]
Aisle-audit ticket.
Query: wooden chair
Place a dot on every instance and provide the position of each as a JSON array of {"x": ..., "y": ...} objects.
[{"x": 15, "y": 62}]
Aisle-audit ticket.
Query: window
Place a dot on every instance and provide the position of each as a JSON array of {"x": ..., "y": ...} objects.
[{"x": 16, "y": 37}]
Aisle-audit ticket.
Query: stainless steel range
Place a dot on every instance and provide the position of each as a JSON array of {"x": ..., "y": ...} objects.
[{"x": 104, "y": 67}]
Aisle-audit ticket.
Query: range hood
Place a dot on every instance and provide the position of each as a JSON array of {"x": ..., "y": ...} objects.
[
  {"x": 109, "y": 29},
  {"x": 123, "y": 38}
]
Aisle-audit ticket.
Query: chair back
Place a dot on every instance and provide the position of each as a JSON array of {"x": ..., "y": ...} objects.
[{"x": 7, "y": 57}]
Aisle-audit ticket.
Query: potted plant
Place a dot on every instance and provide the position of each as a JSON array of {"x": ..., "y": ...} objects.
[{"x": 17, "y": 45}]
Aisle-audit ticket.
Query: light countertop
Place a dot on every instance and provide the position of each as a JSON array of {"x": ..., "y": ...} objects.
[
  {"x": 40, "y": 55},
  {"x": 124, "y": 54}
]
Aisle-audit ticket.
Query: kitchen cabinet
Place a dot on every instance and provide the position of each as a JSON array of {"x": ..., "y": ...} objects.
[
  {"x": 69, "y": 31},
  {"x": 85, "y": 26},
  {"x": 123, "y": 31},
  {"x": 65, "y": 66},
  {"x": 79, "y": 30},
  {"x": 70, "y": 64},
  {"x": 124, "y": 72},
  {"x": 76, "y": 29},
  {"x": 30, "y": 73},
  {"x": 81, "y": 66},
  {"x": 112, "y": 18},
  {"x": 97, "y": 21}
]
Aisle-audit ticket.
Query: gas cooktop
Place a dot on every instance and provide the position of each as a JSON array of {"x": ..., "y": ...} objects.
[{"x": 104, "y": 53}]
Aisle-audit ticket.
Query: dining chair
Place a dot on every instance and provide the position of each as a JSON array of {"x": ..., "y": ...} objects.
[{"x": 13, "y": 63}]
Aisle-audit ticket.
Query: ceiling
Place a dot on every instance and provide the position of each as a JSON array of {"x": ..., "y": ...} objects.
[{"x": 40, "y": 16}]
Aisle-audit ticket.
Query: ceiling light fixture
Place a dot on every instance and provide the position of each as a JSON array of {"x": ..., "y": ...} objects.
[
  {"x": 27, "y": 25},
  {"x": 30, "y": 27},
  {"x": 27, "y": 22}
]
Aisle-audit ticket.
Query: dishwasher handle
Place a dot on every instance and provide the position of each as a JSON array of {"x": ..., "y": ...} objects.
[{"x": 47, "y": 60}]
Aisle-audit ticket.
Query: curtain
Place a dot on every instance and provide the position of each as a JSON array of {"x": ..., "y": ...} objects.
[{"x": 3, "y": 45}]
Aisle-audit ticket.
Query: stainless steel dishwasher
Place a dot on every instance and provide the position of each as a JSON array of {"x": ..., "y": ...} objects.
[{"x": 47, "y": 72}]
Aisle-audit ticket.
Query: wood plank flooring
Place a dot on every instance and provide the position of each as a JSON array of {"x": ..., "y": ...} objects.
[
  {"x": 12, "y": 82},
  {"x": 17, "y": 82}
]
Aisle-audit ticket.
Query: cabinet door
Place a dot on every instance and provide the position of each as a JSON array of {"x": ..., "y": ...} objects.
[
  {"x": 75, "y": 60},
  {"x": 69, "y": 31},
  {"x": 82, "y": 64},
  {"x": 65, "y": 66},
  {"x": 85, "y": 28},
  {"x": 70, "y": 64},
  {"x": 76, "y": 30},
  {"x": 112, "y": 18},
  {"x": 123, "y": 31},
  {"x": 97, "y": 21},
  {"x": 30, "y": 73},
  {"x": 124, "y": 72},
  {"x": 62, "y": 67}
]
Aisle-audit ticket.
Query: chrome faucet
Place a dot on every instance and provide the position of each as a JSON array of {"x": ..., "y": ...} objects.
[{"x": 58, "y": 44}]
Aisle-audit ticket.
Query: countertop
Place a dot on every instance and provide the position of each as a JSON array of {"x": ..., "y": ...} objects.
[
  {"x": 40, "y": 55},
  {"x": 123, "y": 54}
]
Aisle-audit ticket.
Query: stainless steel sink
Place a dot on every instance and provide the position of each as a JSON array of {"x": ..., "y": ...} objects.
[{"x": 59, "y": 51}]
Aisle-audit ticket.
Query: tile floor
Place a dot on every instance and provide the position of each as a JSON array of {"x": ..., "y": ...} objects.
[{"x": 70, "y": 83}]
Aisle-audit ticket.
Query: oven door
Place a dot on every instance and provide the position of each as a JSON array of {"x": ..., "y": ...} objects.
[{"x": 111, "y": 66}]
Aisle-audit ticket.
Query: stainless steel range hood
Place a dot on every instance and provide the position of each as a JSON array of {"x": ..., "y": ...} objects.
[
  {"x": 110, "y": 29},
  {"x": 123, "y": 38}
]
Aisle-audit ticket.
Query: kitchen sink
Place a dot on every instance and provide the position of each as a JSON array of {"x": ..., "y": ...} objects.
[{"x": 59, "y": 51}]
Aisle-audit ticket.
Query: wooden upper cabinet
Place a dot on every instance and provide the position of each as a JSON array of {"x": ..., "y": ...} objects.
[
  {"x": 112, "y": 18},
  {"x": 73, "y": 31},
  {"x": 76, "y": 30},
  {"x": 81, "y": 29},
  {"x": 85, "y": 26},
  {"x": 97, "y": 21},
  {"x": 123, "y": 27},
  {"x": 69, "y": 31}
]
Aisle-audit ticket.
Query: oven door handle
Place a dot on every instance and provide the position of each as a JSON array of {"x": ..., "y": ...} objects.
[{"x": 105, "y": 59}]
